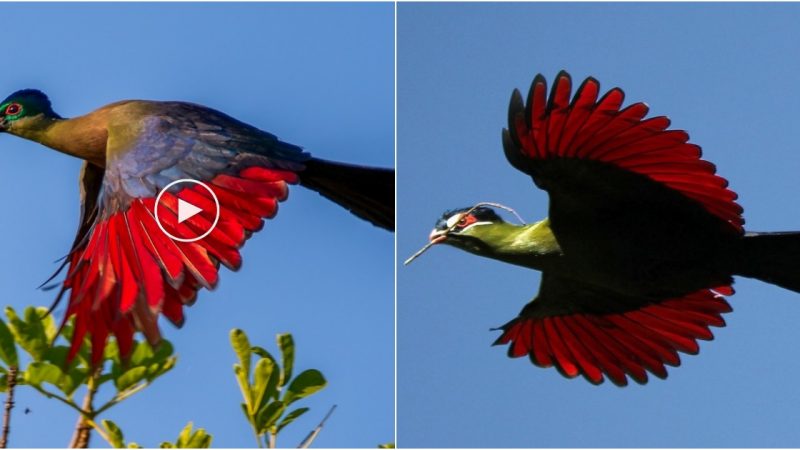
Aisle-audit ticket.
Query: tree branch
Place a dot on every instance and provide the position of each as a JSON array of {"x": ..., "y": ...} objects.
[
  {"x": 12, "y": 382},
  {"x": 83, "y": 428},
  {"x": 63, "y": 400},
  {"x": 121, "y": 396}
]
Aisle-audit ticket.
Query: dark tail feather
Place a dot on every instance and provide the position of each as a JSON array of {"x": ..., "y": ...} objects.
[
  {"x": 771, "y": 257},
  {"x": 367, "y": 192}
]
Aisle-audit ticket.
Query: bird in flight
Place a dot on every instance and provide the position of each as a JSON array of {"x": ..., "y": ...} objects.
[
  {"x": 640, "y": 245},
  {"x": 123, "y": 270}
]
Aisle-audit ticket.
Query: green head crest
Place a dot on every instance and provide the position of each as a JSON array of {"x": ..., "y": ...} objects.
[{"x": 25, "y": 103}]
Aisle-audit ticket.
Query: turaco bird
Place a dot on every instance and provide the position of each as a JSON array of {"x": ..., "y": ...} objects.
[
  {"x": 123, "y": 270},
  {"x": 640, "y": 244}
]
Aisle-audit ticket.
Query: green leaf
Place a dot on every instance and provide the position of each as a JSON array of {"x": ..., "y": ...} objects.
[
  {"x": 130, "y": 378},
  {"x": 155, "y": 370},
  {"x": 291, "y": 416},
  {"x": 115, "y": 436},
  {"x": 268, "y": 415},
  {"x": 8, "y": 350},
  {"x": 307, "y": 383},
  {"x": 262, "y": 352},
  {"x": 244, "y": 385},
  {"x": 387, "y": 445},
  {"x": 111, "y": 352},
  {"x": 183, "y": 438},
  {"x": 42, "y": 372},
  {"x": 200, "y": 439},
  {"x": 29, "y": 333},
  {"x": 167, "y": 445},
  {"x": 134, "y": 445},
  {"x": 247, "y": 414},
  {"x": 163, "y": 351},
  {"x": 153, "y": 362},
  {"x": 241, "y": 345},
  {"x": 286, "y": 344},
  {"x": 265, "y": 383},
  {"x": 105, "y": 378},
  {"x": 57, "y": 355},
  {"x": 188, "y": 439},
  {"x": 72, "y": 380},
  {"x": 44, "y": 316}
]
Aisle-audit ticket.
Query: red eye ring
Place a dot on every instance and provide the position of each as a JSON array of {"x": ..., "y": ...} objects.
[
  {"x": 13, "y": 109},
  {"x": 466, "y": 221}
]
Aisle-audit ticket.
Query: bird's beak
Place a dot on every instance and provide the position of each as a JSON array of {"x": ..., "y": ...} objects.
[{"x": 437, "y": 236}]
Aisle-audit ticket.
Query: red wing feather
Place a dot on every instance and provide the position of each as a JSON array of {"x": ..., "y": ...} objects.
[
  {"x": 587, "y": 128},
  {"x": 128, "y": 271},
  {"x": 618, "y": 344}
]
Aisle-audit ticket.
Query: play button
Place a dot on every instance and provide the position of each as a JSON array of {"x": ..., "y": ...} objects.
[{"x": 187, "y": 210}]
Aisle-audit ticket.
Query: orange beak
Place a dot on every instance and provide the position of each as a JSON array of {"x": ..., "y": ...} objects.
[{"x": 437, "y": 236}]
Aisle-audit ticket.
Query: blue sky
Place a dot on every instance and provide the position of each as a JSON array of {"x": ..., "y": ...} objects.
[
  {"x": 320, "y": 76},
  {"x": 727, "y": 73}
]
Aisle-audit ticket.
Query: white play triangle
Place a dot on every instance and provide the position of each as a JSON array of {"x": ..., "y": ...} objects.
[{"x": 186, "y": 210}]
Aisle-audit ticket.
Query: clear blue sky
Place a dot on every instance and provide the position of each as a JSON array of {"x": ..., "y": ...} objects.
[
  {"x": 727, "y": 73},
  {"x": 320, "y": 76}
]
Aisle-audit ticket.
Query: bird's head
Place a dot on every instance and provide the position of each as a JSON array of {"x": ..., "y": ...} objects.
[
  {"x": 25, "y": 109},
  {"x": 466, "y": 228}
]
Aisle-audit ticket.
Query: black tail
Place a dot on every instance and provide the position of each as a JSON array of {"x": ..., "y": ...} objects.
[
  {"x": 367, "y": 192},
  {"x": 771, "y": 257}
]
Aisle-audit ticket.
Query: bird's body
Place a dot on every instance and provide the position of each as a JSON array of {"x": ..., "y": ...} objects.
[
  {"x": 123, "y": 270},
  {"x": 641, "y": 242}
]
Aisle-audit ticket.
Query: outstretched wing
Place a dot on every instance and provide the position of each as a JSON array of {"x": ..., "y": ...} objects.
[
  {"x": 583, "y": 330},
  {"x": 611, "y": 174},
  {"x": 123, "y": 270},
  {"x": 584, "y": 149}
]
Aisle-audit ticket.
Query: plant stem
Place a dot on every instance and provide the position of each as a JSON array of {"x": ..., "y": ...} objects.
[
  {"x": 120, "y": 397},
  {"x": 49, "y": 394},
  {"x": 83, "y": 428},
  {"x": 12, "y": 381},
  {"x": 273, "y": 438},
  {"x": 258, "y": 438},
  {"x": 315, "y": 432},
  {"x": 100, "y": 431}
]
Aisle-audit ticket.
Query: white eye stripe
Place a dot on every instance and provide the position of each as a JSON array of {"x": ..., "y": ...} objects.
[
  {"x": 475, "y": 224},
  {"x": 453, "y": 220},
  {"x": 456, "y": 218}
]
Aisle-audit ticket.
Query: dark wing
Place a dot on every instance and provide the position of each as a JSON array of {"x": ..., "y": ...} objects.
[
  {"x": 123, "y": 270},
  {"x": 588, "y": 149},
  {"x": 612, "y": 174},
  {"x": 582, "y": 330}
]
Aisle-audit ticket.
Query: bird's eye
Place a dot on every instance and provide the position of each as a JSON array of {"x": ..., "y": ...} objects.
[
  {"x": 462, "y": 222},
  {"x": 13, "y": 109}
]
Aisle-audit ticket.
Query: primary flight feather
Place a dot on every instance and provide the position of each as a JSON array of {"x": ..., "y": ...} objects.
[
  {"x": 123, "y": 270},
  {"x": 640, "y": 245}
]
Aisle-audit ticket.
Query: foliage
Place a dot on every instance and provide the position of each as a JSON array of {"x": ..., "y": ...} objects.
[
  {"x": 188, "y": 438},
  {"x": 268, "y": 388},
  {"x": 33, "y": 347},
  {"x": 45, "y": 349},
  {"x": 48, "y": 368}
]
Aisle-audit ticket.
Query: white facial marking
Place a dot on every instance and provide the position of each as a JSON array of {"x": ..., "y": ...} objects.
[
  {"x": 474, "y": 224},
  {"x": 453, "y": 220}
]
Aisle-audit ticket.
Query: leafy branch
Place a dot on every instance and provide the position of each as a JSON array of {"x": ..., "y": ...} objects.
[
  {"x": 268, "y": 388},
  {"x": 49, "y": 372}
]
